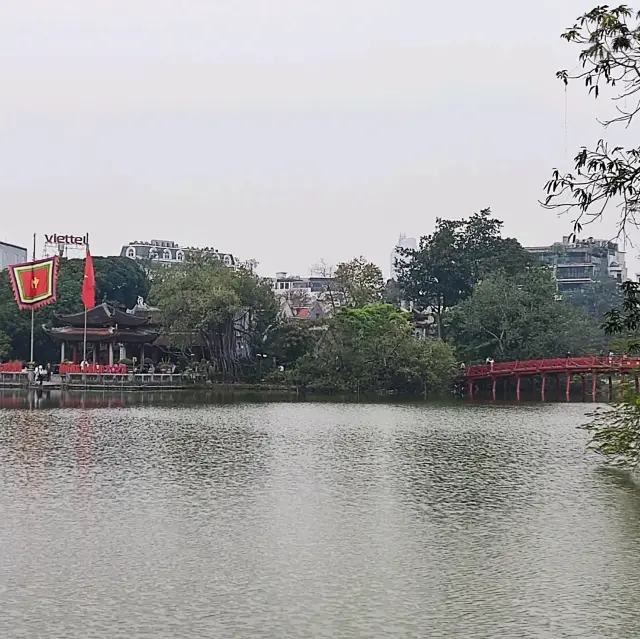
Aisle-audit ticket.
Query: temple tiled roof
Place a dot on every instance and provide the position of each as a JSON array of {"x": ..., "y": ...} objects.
[{"x": 102, "y": 316}]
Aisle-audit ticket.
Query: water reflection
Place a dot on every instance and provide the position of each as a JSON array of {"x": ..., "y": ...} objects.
[{"x": 253, "y": 519}]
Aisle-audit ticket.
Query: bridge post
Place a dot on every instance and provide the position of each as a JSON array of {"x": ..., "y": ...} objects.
[
  {"x": 557, "y": 386},
  {"x": 637, "y": 385},
  {"x": 621, "y": 384},
  {"x": 493, "y": 388},
  {"x": 584, "y": 387},
  {"x": 518, "y": 380},
  {"x": 568, "y": 393},
  {"x": 470, "y": 389},
  {"x": 610, "y": 388},
  {"x": 594, "y": 385},
  {"x": 544, "y": 386}
]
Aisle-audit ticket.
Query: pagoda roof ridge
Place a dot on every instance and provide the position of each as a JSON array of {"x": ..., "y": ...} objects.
[{"x": 100, "y": 316}]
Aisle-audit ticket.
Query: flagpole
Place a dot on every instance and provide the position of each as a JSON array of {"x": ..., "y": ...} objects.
[
  {"x": 84, "y": 359},
  {"x": 33, "y": 312}
]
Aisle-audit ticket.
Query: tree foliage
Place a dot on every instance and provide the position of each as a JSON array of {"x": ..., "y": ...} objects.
[
  {"x": 609, "y": 38},
  {"x": 225, "y": 312},
  {"x": 373, "y": 349},
  {"x": 359, "y": 282},
  {"x": 597, "y": 298},
  {"x": 615, "y": 432},
  {"x": 519, "y": 317},
  {"x": 447, "y": 264},
  {"x": 288, "y": 342}
]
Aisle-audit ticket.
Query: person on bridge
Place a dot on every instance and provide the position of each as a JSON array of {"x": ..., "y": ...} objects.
[{"x": 489, "y": 361}]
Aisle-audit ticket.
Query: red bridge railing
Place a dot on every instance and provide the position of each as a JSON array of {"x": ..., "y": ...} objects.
[{"x": 557, "y": 365}]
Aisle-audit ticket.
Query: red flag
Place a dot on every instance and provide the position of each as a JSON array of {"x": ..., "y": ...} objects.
[
  {"x": 89, "y": 283},
  {"x": 34, "y": 283}
]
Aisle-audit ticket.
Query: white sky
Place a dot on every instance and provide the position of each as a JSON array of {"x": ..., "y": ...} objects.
[{"x": 283, "y": 130}]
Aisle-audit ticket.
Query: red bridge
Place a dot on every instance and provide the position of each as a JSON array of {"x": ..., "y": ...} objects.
[{"x": 568, "y": 367}]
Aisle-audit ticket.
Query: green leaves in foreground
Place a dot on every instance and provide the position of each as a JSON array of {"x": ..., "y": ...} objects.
[{"x": 615, "y": 432}]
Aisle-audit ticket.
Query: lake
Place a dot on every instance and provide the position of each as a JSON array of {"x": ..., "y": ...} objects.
[{"x": 166, "y": 517}]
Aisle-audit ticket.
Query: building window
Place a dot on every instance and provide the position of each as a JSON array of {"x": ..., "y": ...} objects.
[
  {"x": 153, "y": 253},
  {"x": 131, "y": 252},
  {"x": 166, "y": 254},
  {"x": 180, "y": 255}
]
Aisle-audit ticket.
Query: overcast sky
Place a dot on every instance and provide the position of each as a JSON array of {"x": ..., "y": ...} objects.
[{"x": 283, "y": 130}]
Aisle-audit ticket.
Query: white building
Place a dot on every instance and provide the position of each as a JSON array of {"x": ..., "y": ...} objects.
[
  {"x": 11, "y": 254},
  {"x": 169, "y": 253},
  {"x": 312, "y": 286},
  {"x": 404, "y": 242}
]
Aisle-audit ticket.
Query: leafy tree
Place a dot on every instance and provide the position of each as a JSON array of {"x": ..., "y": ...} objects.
[
  {"x": 518, "y": 318},
  {"x": 359, "y": 282},
  {"x": 290, "y": 341},
  {"x": 444, "y": 268},
  {"x": 226, "y": 312},
  {"x": 609, "y": 38},
  {"x": 597, "y": 298},
  {"x": 5, "y": 346},
  {"x": 615, "y": 432},
  {"x": 296, "y": 297},
  {"x": 373, "y": 349}
]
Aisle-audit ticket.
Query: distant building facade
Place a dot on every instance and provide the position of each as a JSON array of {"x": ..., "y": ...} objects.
[
  {"x": 313, "y": 286},
  {"x": 170, "y": 253},
  {"x": 579, "y": 263},
  {"x": 11, "y": 254},
  {"x": 404, "y": 242}
]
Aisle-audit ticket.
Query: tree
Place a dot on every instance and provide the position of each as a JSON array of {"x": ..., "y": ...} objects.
[
  {"x": 290, "y": 341},
  {"x": 597, "y": 298},
  {"x": 224, "y": 311},
  {"x": 615, "y": 432},
  {"x": 447, "y": 264},
  {"x": 359, "y": 282},
  {"x": 518, "y": 318},
  {"x": 5, "y": 346},
  {"x": 296, "y": 297},
  {"x": 329, "y": 294},
  {"x": 609, "y": 59},
  {"x": 373, "y": 349}
]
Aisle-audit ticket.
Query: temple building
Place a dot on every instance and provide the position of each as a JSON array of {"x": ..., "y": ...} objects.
[{"x": 108, "y": 329}]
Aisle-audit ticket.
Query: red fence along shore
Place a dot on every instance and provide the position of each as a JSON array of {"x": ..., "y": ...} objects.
[{"x": 93, "y": 369}]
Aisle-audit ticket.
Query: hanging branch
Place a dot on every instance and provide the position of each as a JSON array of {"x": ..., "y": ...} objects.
[{"x": 603, "y": 176}]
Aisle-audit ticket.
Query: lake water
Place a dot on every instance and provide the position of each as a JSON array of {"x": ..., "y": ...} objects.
[{"x": 171, "y": 519}]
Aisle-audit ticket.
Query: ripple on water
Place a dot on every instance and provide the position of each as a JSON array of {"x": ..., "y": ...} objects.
[{"x": 312, "y": 520}]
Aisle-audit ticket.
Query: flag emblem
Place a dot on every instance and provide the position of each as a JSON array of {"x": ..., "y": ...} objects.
[{"x": 35, "y": 283}]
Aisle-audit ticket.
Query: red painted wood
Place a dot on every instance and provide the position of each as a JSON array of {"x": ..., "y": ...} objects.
[{"x": 558, "y": 365}]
